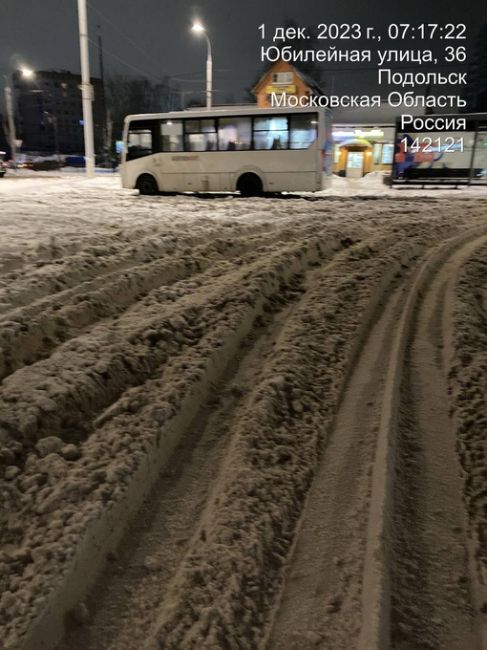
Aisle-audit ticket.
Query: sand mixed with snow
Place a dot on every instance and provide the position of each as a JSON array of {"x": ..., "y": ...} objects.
[
  {"x": 121, "y": 318},
  {"x": 468, "y": 383}
]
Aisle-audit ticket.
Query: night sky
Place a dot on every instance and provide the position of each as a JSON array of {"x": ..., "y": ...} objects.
[{"x": 152, "y": 37}]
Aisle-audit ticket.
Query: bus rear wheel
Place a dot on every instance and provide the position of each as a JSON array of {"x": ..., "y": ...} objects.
[
  {"x": 249, "y": 185},
  {"x": 146, "y": 184}
]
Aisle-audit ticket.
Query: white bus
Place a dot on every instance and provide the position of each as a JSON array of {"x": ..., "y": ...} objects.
[{"x": 243, "y": 149}]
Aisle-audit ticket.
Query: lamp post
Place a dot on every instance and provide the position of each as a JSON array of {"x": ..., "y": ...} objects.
[
  {"x": 86, "y": 89},
  {"x": 198, "y": 28},
  {"x": 12, "y": 136}
]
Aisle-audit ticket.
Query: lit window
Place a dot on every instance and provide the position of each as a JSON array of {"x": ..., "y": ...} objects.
[
  {"x": 282, "y": 78},
  {"x": 377, "y": 153},
  {"x": 387, "y": 154},
  {"x": 172, "y": 135},
  {"x": 234, "y": 133},
  {"x": 200, "y": 135},
  {"x": 271, "y": 132},
  {"x": 304, "y": 129},
  {"x": 139, "y": 142}
]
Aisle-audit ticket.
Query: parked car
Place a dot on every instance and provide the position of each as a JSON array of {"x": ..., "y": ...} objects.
[
  {"x": 3, "y": 164},
  {"x": 45, "y": 165},
  {"x": 26, "y": 164},
  {"x": 74, "y": 161}
]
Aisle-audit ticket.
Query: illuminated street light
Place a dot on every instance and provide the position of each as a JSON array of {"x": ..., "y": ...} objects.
[
  {"x": 199, "y": 28},
  {"x": 27, "y": 73}
]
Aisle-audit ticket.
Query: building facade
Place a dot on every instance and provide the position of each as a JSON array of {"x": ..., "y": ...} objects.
[
  {"x": 50, "y": 115},
  {"x": 283, "y": 79},
  {"x": 4, "y": 145},
  {"x": 362, "y": 148}
]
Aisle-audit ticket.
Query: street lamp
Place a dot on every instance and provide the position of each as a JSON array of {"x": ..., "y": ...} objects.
[
  {"x": 86, "y": 89},
  {"x": 27, "y": 73},
  {"x": 199, "y": 28},
  {"x": 12, "y": 136}
]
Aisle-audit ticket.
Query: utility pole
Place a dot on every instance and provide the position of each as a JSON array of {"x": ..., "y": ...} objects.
[
  {"x": 86, "y": 89},
  {"x": 106, "y": 138},
  {"x": 209, "y": 75},
  {"x": 199, "y": 28},
  {"x": 12, "y": 136}
]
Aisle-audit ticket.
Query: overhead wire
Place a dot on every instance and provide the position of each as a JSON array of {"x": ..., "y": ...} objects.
[
  {"x": 127, "y": 38},
  {"x": 178, "y": 77}
]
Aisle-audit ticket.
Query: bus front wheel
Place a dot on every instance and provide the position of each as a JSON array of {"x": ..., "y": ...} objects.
[
  {"x": 147, "y": 185},
  {"x": 249, "y": 185}
]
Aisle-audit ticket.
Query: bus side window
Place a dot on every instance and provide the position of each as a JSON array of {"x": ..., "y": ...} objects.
[
  {"x": 139, "y": 143},
  {"x": 271, "y": 132},
  {"x": 304, "y": 129},
  {"x": 172, "y": 135},
  {"x": 200, "y": 135},
  {"x": 234, "y": 133}
]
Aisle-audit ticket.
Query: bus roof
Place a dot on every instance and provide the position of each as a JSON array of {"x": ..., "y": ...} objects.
[{"x": 222, "y": 111}]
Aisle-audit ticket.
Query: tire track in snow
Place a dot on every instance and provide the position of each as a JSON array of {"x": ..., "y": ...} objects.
[{"x": 84, "y": 504}]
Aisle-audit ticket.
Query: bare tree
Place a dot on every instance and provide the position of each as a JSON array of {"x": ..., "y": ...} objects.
[{"x": 127, "y": 95}]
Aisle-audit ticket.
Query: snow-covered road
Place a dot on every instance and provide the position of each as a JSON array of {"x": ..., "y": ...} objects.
[
  {"x": 175, "y": 371},
  {"x": 38, "y": 210}
]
